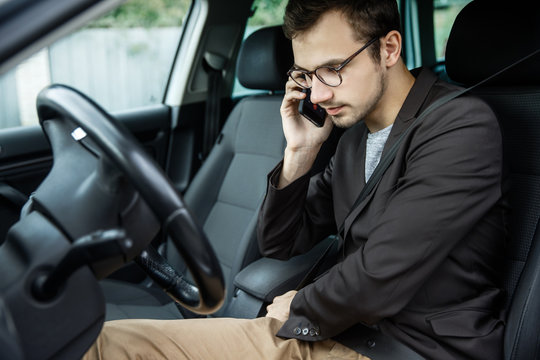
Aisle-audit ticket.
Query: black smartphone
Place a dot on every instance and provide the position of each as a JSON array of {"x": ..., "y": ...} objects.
[{"x": 311, "y": 111}]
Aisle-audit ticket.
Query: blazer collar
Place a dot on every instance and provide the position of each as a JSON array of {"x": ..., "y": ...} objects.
[{"x": 412, "y": 104}]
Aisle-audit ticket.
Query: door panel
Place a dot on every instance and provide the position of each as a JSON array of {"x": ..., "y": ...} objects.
[{"x": 25, "y": 156}]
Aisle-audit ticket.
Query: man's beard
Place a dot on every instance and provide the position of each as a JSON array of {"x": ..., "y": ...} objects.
[{"x": 347, "y": 121}]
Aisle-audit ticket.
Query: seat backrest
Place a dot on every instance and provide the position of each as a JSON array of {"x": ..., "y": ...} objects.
[
  {"x": 486, "y": 37},
  {"x": 228, "y": 189}
]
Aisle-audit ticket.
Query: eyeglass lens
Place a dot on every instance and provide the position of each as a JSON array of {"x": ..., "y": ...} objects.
[{"x": 327, "y": 75}]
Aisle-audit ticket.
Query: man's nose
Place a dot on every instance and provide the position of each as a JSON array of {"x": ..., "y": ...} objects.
[{"x": 320, "y": 92}]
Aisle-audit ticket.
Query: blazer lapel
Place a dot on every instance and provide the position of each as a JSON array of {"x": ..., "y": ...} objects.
[
  {"x": 411, "y": 106},
  {"x": 361, "y": 155}
]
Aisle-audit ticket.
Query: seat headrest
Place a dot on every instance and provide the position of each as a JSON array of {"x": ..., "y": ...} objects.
[
  {"x": 489, "y": 35},
  {"x": 264, "y": 59}
]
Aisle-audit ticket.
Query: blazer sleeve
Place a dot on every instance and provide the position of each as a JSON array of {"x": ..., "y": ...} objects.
[
  {"x": 294, "y": 219},
  {"x": 452, "y": 179}
]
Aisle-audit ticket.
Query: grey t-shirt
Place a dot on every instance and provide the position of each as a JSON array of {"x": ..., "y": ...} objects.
[{"x": 374, "y": 147}]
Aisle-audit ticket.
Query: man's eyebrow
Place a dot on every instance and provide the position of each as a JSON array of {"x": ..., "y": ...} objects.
[{"x": 330, "y": 62}]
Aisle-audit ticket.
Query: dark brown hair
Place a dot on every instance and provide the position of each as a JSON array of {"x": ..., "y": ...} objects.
[{"x": 368, "y": 18}]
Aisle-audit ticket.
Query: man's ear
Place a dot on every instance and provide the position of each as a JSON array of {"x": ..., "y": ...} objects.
[{"x": 391, "y": 48}]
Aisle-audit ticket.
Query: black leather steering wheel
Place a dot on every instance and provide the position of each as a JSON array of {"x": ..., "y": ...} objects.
[{"x": 62, "y": 103}]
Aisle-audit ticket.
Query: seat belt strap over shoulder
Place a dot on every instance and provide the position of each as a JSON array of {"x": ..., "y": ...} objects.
[{"x": 214, "y": 65}]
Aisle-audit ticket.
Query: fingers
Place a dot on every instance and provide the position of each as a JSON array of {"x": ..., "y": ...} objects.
[
  {"x": 277, "y": 312},
  {"x": 289, "y": 294},
  {"x": 293, "y": 94},
  {"x": 285, "y": 297},
  {"x": 280, "y": 306},
  {"x": 269, "y": 309},
  {"x": 293, "y": 91}
]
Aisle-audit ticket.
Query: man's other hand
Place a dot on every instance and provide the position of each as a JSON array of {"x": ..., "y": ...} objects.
[{"x": 279, "y": 308}]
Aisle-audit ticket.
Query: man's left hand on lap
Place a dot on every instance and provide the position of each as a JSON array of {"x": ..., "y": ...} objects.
[{"x": 279, "y": 308}]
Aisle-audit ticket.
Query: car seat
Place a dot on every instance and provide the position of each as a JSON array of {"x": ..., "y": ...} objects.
[
  {"x": 486, "y": 37},
  {"x": 228, "y": 189}
]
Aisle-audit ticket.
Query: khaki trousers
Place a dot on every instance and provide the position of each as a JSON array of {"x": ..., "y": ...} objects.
[{"x": 219, "y": 338}]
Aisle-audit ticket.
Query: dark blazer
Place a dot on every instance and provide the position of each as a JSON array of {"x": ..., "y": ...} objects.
[{"x": 422, "y": 253}]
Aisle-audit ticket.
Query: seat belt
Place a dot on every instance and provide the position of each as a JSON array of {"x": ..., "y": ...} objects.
[{"x": 214, "y": 65}]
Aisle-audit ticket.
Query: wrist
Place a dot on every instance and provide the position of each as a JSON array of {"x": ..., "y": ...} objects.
[{"x": 296, "y": 163}]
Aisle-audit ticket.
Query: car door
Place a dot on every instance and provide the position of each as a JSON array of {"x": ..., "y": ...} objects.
[
  {"x": 144, "y": 62},
  {"x": 122, "y": 60}
]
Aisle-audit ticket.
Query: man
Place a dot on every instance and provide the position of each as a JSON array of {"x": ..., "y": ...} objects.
[{"x": 420, "y": 254}]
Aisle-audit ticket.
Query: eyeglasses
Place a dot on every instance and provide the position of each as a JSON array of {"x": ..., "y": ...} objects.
[{"x": 328, "y": 75}]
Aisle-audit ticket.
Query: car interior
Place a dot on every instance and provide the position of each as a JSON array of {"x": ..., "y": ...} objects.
[
  {"x": 89, "y": 190},
  {"x": 226, "y": 191}
]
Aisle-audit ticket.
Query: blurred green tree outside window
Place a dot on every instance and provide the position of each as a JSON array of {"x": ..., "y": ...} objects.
[
  {"x": 145, "y": 13},
  {"x": 444, "y": 14},
  {"x": 267, "y": 13}
]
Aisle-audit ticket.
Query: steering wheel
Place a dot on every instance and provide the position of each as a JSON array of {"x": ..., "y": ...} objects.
[{"x": 69, "y": 117}]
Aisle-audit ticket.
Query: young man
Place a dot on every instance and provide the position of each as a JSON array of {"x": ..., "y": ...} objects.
[{"x": 420, "y": 254}]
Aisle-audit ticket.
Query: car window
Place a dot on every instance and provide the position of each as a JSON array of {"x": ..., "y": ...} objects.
[
  {"x": 264, "y": 13},
  {"x": 121, "y": 60},
  {"x": 444, "y": 14}
]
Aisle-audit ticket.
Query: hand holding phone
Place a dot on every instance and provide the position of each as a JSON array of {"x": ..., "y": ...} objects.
[{"x": 312, "y": 112}]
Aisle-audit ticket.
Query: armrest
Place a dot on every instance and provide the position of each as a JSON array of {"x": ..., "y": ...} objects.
[{"x": 267, "y": 278}]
